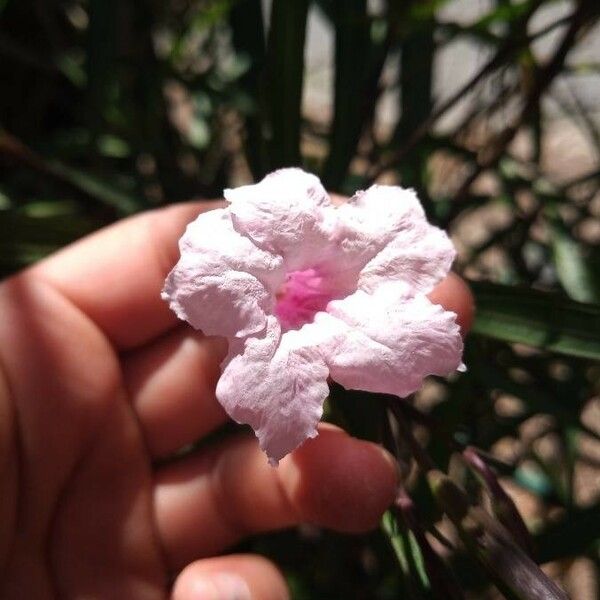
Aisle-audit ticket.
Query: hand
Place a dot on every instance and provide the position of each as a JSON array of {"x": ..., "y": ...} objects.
[{"x": 98, "y": 384}]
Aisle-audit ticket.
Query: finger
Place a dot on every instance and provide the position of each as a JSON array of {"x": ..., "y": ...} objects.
[
  {"x": 171, "y": 384},
  {"x": 208, "y": 501},
  {"x": 115, "y": 276},
  {"x": 239, "y": 577},
  {"x": 454, "y": 295}
]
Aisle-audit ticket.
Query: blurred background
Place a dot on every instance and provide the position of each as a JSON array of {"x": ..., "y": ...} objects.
[{"x": 490, "y": 109}]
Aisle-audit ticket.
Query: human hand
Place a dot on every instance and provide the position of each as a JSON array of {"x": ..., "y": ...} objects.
[{"x": 98, "y": 384}]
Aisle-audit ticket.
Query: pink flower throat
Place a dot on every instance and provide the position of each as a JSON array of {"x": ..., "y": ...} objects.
[{"x": 301, "y": 297}]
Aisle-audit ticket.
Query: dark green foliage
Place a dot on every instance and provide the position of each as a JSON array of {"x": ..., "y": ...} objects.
[
  {"x": 541, "y": 319},
  {"x": 112, "y": 107}
]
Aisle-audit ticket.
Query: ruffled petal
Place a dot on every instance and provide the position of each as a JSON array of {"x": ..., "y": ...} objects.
[
  {"x": 283, "y": 214},
  {"x": 277, "y": 384},
  {"x": 419, "y": 256},
  {"x": 376, "y": 215},
  {"x": 388, "y": 342},
  {"x": 223, "y": 284},
  {"x": 370, "y": 219},
  {"x": 384, "y": 232}
]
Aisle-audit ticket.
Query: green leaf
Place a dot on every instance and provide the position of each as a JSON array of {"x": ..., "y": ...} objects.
[
  {"x": 575, "y": 271},
  {"x": 541, "y": 319},
  {"x": 95, "y": 188},
  {"x": 246, "y": 19},
  {"x": 113, "y": 146},
  {"x": 282, "y": 83},
  {"x": 37, "y": 230},
  {"x": 413, "y": 572},
  {"x": 100, "y": 190},
  {"x": 416, "y": 103},
  {"x": 101, "y": 42},
  {"x": 352, "y": 49},
  {"x": 71, "y": 69},
  {"x": 389, "y": 524},
  {"x": 416, "y": 80}
]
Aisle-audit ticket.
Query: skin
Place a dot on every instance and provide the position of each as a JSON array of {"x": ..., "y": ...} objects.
[{"x": 98, "y": 384}]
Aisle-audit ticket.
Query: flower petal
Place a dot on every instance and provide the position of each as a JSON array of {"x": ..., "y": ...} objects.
[
  {"x": 387, "y": 342},
  {"x": 223, "y": 284},
  {"x": 385, "y": 232},
  {"x": 370, "y": 219},
  {"x": 283, "y": 214},
  {"x": 377, "y": 214},
  {"x": 277, "y": 384},
  {"x": 420, "y": 256}
]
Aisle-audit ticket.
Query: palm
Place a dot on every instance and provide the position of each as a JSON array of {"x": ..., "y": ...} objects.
[
  {"x": 98, "y": 383},
  {"x": 86, "y": 525}
]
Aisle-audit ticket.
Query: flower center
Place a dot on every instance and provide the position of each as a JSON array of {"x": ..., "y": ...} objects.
[{"x": 303, "y": 294}]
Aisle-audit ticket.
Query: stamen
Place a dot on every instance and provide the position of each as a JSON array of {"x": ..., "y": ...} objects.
[{"x": 301, "y": 297}]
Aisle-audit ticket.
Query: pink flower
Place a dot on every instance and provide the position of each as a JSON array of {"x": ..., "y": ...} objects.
[{"x": 304, "y": 290}]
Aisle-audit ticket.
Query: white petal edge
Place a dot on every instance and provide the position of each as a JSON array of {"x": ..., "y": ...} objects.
[
  {"x": 388, "y": 343},
  {"x": 277, "y": 384}
]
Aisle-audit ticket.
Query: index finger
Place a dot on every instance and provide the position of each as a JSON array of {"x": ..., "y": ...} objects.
[{"x": 115, "y": 275}]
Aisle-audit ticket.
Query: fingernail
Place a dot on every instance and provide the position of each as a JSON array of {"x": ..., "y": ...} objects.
[{"x": 221, "y": 586}]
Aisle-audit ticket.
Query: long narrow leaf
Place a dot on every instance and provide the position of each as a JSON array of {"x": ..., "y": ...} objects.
[
  {"x": 246, "y": 20},
  {"x": 416, "y": 102},
  {"x": 351, "y": 65},
  {"x": 416, "y": 79},
  {"x": 282, "y": 83},
  {"x": 100, "y": 58},
  {"x": 96, "y": 188},
  {"x": 575, "y": 271},
  {"x": 103, "y": 191},
  {"x": 540, "y": 319}
]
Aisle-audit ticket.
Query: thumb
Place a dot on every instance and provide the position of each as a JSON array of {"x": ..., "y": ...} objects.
[{"x": 234, "y": 577}]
